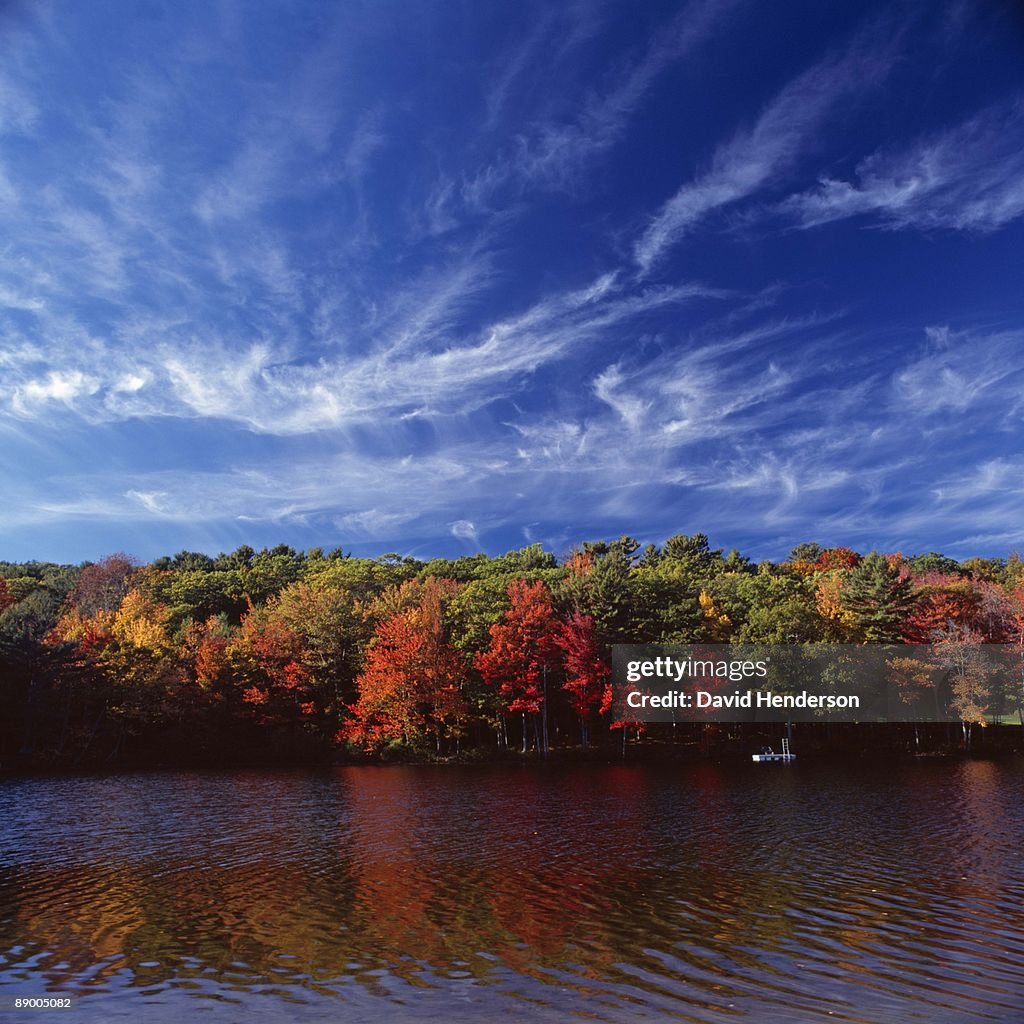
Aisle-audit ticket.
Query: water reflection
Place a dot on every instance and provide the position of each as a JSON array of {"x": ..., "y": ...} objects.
[{"x": 622, "y": 893}]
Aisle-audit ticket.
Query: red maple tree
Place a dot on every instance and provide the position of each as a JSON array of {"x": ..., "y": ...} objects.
[
  {"x": 521, "y": 651},
  {"x": 586, "y": 672}
]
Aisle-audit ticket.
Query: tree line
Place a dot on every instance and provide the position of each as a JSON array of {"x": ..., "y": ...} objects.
[{"x": 298, "y": 655}]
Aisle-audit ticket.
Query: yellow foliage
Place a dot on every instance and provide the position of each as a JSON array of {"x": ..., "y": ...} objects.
[
  {"x": 140, "y": 622},
  {"x": 803, "y": 567},
  {"x": 828, "y": 598},
  {"x": 719, "y": 624}
]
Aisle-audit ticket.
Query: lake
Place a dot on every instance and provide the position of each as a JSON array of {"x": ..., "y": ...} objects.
[{"x": 503, "y": 893}]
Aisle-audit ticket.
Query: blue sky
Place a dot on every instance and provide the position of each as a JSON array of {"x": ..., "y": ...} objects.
[{"x": 439, "y": 277}]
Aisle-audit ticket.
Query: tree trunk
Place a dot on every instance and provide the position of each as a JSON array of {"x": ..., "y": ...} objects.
[{"x": 544, "y": 712}]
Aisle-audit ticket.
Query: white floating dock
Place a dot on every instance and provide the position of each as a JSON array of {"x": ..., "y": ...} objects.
[{"x": 772, "y": 756}]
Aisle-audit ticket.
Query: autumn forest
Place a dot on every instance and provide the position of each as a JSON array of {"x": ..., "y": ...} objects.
[{"x": 296, "y": 657}]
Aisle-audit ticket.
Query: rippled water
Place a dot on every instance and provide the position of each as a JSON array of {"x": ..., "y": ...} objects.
[{"x": 769, "y": 893}]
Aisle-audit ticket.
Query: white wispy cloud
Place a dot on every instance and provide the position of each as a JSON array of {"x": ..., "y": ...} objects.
[
  {"x": 756, "y": 156},
  {"x": 608, "y": 387},
  {"x": 57, "y": 386},
  {"x": 559, "y": 150},
  {"x": 732, "y": 425},
  {"x": 969, "y": 177},
  {"x": 151, "y": 501},
  {"x": 715, "y": 429},
  {"x": 715, "y": 395},
  {"x": 552, "y": 152},
  {"x": 18, "y": 112},
  {"x": 373, "y": 523},
  {"x": 521, "y": 56},
  {"x": 367, "y": 141},
  {"x": 465, "y": 530},
  {"x": 955, "y": 371},
  {"x": 429, "y": 309},
  {"x": 412, "y": 368},
  {"x": 255, "y": 294},
  {"x": 994, "y": 476},
  {"x": 284, "y": 134}
]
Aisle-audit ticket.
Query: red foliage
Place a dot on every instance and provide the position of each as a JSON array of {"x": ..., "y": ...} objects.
[
  {"x": 6, "y": 599},
  {"x": 608, "y": 703},
  {"x": 585, "y": 671},
  {"x": 836, "y": 558},
  {"x": 521, "y": 646},
  {"x": 267, "y": 655},
  {"x": 940, "y": 603}
]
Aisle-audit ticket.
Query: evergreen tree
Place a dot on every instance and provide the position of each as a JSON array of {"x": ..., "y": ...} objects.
[{"x": 879, "y": 598}]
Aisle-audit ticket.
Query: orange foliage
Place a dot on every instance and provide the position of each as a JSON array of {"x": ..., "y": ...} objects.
[
  {"x": 211, "y": 659},
  {"x": 410, "y": 688},
  {"x": 580, "y": 564}
]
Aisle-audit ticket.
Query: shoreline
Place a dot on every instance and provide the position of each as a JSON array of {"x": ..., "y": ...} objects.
[{"x": 651, "y": 755}]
